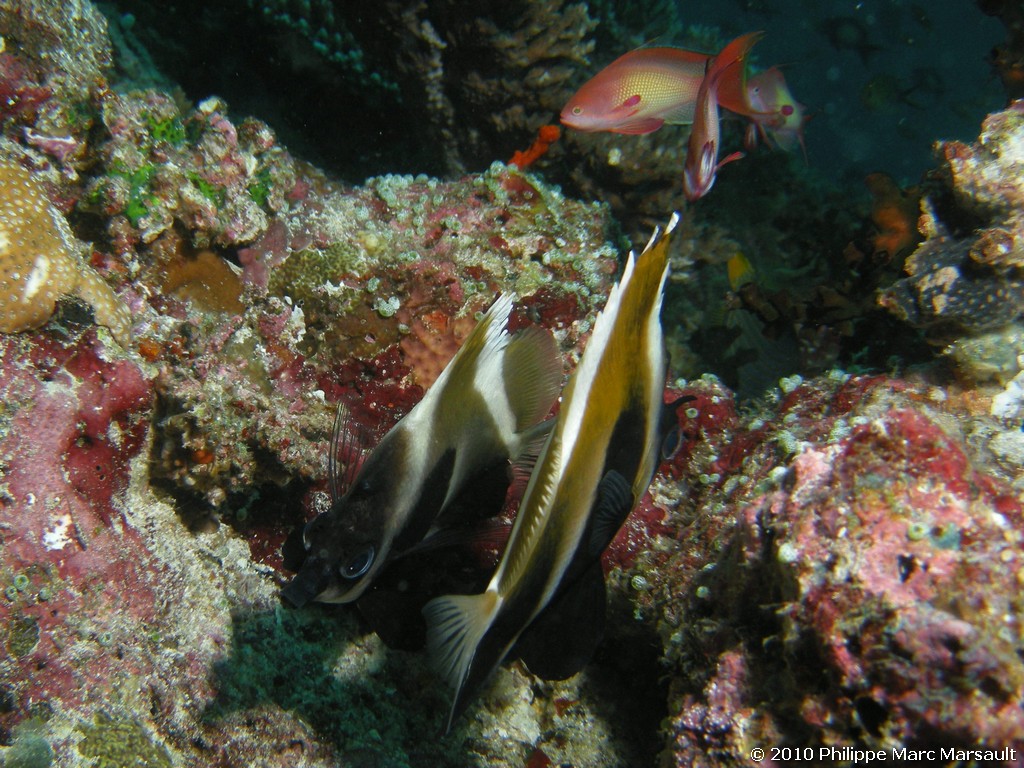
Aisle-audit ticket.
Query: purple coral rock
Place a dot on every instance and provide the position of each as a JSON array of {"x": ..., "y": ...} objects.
[{"x": 879, "y": 554}]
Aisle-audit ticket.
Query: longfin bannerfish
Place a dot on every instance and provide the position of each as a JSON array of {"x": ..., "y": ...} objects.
[
  {"x": 484, "y": 409},
  {"x": 594, "y": 466}
]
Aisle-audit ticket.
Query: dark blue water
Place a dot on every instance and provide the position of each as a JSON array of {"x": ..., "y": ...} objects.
[{"x": 883, "y": 78}]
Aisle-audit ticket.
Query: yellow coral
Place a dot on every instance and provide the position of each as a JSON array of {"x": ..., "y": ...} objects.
[{"x": 40, "y": 261}]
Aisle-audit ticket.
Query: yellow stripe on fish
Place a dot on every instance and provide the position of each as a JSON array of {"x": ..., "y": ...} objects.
[{"x": 594, "y": 466}]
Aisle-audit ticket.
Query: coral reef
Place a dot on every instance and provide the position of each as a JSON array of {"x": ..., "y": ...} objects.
[
  {"x": 965, "y": 280},
  {"x": 53, "y": 63},
  {"x": 217, "y": 181},
  {"x": 842, "y": 573},
  {"x": 40, "y": 261},
  {"x": 361, "y": 295},
  {"x": 868, "y": 522}
]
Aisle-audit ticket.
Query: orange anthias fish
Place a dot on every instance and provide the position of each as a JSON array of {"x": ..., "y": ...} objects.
[
  {"x": 776, "y": 115},
  {"x": 702, "y": 161},
  {"x": 644, "y": 89}
]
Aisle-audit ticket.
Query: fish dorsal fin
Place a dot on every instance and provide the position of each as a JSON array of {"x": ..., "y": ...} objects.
[
  {"x": 563, "y": 637},
  {"x": 479, "y": 355},
  {"x": 456, "y": 625},
  {"x": 614, "y": 501},
  {"x": 348, "y": 449},
  {"x": 532, "y": 373}
]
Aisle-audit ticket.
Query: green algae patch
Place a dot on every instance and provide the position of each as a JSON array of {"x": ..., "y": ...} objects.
[
  {"x": 115, "y": 742},
  {"x": 309, "y": 664},
  {"x": 28, "y": 747},
  {"x": 22, "y": 635}
]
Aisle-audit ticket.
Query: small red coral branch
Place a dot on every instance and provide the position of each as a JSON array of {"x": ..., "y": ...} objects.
[{"x": 546, "y": 136}]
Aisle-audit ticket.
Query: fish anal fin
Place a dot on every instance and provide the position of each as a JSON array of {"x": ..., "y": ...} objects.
[
  {"x": 563, "y": 637},
  {"x": 532, "y": 373},
  {"x": 614, "y": 501},
  {"x": 638, "y": 127}
]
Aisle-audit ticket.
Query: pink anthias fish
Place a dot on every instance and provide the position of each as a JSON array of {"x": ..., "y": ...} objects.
[
  {"x": 644, "y": 89},
  {"x": 774, "y": 113},
  {"x": 702, "y": 161}
]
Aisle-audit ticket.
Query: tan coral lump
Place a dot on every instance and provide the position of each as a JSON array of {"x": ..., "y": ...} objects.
[{"x": 39, "y": 261}]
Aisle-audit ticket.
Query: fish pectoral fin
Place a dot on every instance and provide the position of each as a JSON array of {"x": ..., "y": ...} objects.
[
  {"x": 563, "y": 637},
  {"x": 524, "y": 462},
  {"x": 532, "y": 375},
  {"x": 614, "y": 501},
  {"x": 350, "y": 441}
]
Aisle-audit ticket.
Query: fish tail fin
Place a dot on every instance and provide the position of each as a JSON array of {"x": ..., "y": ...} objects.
[
  {"x": 729, "y": 69},
  {"x": 735, "y": 53},
  {"x": 456, "y": 624}
]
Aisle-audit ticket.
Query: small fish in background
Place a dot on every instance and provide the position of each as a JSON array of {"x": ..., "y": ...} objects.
[
  {"x": 702, "y": 161},
  {"x": 775, "y": 114},
  {"x": 895, "y": 213},
  {"x": 647, "y": 88},
  {"x": 546, "y": 600},
  {"x": 484, "y": 409},
  {"x": 848, "y": 33},
  {"x": 739, "y": 270}
]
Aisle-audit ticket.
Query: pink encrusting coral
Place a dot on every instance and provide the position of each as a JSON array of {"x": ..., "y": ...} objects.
[
  {"x": 860, "y": 534},
  {"x": 73, "y": 423}
]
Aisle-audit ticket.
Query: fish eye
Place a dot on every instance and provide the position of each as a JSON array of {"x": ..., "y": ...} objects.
[
  {"x": 672, "y": 443},
  {"x": 577, "y": 110},
  {"x": 358, "y": 565}
]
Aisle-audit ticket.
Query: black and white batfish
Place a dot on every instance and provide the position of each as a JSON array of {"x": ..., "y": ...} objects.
[
  {"x": 546, "y": 600},
  {"x": 485, "y": 409}
]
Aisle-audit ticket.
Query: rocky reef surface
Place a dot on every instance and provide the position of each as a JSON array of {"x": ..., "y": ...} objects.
[{"x": 836, "y": 563}]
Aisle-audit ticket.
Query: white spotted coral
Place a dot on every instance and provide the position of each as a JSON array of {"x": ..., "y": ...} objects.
[{"x": 40, "y": 261}]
